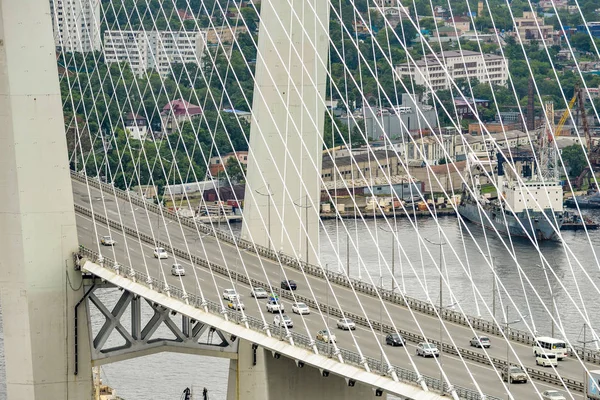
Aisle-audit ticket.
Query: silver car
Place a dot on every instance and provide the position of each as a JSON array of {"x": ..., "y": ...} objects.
[
  {"x": 259, "y": 293},
  {"x": 427, "y": 350},
  {"x": 553, "y": 395},
  {"x": 346, "y": 324},
  {"x": 516, "y": 374},
  {"x": 481, "y": 341}
]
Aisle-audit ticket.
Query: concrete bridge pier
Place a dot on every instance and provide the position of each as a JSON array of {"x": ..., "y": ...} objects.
[
  {"x": 38, "y": 284},
  {"x": 257, "y": 375}
]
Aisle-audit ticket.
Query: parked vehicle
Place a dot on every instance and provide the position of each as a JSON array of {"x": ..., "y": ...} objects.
[
  {"x": 289, "y": 285},
  {"x": 481, "y": 341},
  {"x": 514, "y": 374},
  {"x": 427, "y": 350},
  {"x": 107, "y": 241},
  {"x": 283, "y": 320},
  {"x": 393, "y": 339},
  {"x": 275, "y": 306},
  {"x": 325, "y": 336},
  {"x": 300, "y": 308},
  {"x": 550, "y": 345},
  {"x": 177, "y": 270},
  {"x": 159, "y": 253},
  {"x": 229, "y": 294},
  {"x": 346, "y": 324},
  {"x": 259, "y": 293},
  {"x": 546, "y": 360}
]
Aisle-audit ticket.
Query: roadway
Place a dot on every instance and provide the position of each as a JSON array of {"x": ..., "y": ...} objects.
[{"x": 462, "y": 373}]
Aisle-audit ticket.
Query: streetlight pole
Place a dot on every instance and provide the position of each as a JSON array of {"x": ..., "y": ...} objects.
[
  {"x": 585, "y": 375},
  {"x": 441, "y": 309},
  {"x": 553, "y": 314},
  {"x": 393, "y": 250},
  {"x": 507, "y": 333},
  {"x": 268, "y": 194},
  {"x": 381, "y": 323},
  {"x": 305, "y": 207}
]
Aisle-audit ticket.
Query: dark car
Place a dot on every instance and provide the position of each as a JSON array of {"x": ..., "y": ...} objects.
[
  {"x": 288, "y": 285},
  {"x": 393, "y": 339}
]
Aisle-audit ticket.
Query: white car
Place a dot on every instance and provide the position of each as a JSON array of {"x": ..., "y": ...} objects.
[
  {"x": 300, "y": 308},
  {"x": 177, "y": 270},
  {"x": 229, "y": 294},
  {"x": 346, "y": 324},
  {"x": 275, "y": 306},
  {"x": 553, "y": 395},
  {"x": 281, "y": 320},
  {"x": 259, "y": 293},
  {"x": 236, "y": 303},
  {"x": 427, "y": 350},
  {"x": 324, "y": 336},
  {"x": 107, "y": 241},
  {"x": 159, "y": 252}
]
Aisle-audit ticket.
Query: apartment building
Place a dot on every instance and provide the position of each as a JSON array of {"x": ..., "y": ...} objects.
[
  {"x": 153, "y": 50},
  {"x": 437, "y": 71},
  {"x": 531, "y": 27},
  {"x": 76, "y": 25}
]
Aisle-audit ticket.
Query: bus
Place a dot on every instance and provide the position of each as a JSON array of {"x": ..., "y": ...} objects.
[{"x": 550, "y": 345}]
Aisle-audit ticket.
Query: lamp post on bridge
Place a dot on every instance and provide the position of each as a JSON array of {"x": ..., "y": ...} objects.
[
  {"x": 552, "y": 295},
  {"x": 393, "y": 248},
  {"x": 585, "y": 375},
  {"x": 494, "y": 284},
  {"x": 507, "y": 333},
  {"x": 441, "y": 243},
  {"x": 305, "y": 207},
  {"x": 268, "y": 194}
]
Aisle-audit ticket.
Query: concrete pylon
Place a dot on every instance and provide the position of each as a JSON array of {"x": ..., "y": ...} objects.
[
  {"x": 258, "y": 375},
  {"x": 38, "y": 285},
  {"x": 284, "y": 166}
]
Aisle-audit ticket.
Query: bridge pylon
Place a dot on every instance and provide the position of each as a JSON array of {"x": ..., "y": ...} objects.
[
  {"x": 39, "y": 287},
  {"x": 284, "y": 166}
]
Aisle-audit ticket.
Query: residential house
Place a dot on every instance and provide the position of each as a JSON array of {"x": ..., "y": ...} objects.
[
  {"x": 177, "y": 112},
  {"x": 136, "y": 126},
  {"x": 461, "y": 23},
  {"x": 464, "y": 107},
  {"x": 217, "y": 163}
]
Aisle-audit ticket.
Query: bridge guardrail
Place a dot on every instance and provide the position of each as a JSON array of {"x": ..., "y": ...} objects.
[
  {"x": 256, "y": 324},
  {"x": 421, "y": 306},
  {"x": 333, "y": 311}
]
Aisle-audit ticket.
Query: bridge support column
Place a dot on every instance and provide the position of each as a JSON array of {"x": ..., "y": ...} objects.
[
  {"x": 284, "y": 168},
  {"x": 276, "y": 378},
  {"x": 38, "y": 285}
]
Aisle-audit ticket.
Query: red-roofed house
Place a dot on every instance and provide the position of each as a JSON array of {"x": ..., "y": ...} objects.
[
  {"x": 176, "y": 113},
  {"x": 184, "y": 15},
  {"x": 460, "y": 23}
]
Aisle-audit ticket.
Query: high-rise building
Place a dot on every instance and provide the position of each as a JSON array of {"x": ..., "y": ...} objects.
[
  {"x": 76, "y": 25},
  {"x": 153, "y": 50}
]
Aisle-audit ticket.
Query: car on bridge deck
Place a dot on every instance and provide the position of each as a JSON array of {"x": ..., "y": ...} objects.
[
  {"x": 481, "y": 341},
  {"x": 107, "y": 241},
  {"x": 289, "y": 285},
  {"x": 281, "y": 320},
  {"x": 235, "y": 303},
  {"x": 275, "y": 306},
  {"x": 159, "y": 253},
  {"x": 259, "y": 293},
  {"x": 324, "y": 336},
  {"x": 516, "y": 374},
  {"x": 393, "y": 339},
  {"x": 346, "y": 324},
  {"x": 177, "y": 270},
  {"x": 300, "y": 308},
  {"x": 553, "y": 395},
  {"x": 229, "y": 294},
  {"x": 427, "y": 350}
]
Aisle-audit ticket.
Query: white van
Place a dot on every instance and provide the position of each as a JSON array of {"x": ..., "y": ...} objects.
[
  {"x": 546, "y": 360},
  {"x": 550, "y": 345}
]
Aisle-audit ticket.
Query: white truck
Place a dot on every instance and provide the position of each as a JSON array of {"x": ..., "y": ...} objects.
[{"x": 593, "y": 391}]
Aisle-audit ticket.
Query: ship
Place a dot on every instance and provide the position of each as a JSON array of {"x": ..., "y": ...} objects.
[{"x": 588, "y": 201}]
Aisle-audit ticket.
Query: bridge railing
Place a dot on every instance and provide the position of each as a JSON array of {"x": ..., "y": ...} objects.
[
  {"x": 257, "y": 324},
  {"x": 394, "y": 297}
]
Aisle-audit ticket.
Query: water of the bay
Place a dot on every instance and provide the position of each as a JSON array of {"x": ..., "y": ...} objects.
[{"x": 469, "y": 283}]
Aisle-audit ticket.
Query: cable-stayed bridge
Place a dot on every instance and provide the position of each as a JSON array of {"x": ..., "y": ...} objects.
[{"x": 161, "y": 95}]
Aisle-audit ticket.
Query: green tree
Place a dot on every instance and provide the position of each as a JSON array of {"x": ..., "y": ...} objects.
[{"x": 574, "y": 159}]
